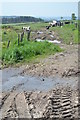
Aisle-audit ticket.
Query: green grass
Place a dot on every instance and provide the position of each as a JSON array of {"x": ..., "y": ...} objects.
[
  {"x": 34, "y": 26},
  {"x": 67, "y": 33},
  {"x": 28, "y": 50}
]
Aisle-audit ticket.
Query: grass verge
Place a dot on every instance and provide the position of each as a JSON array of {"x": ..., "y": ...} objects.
[
  {"x": 27, "y": 51},
  {"x": 67, "y": 34}
]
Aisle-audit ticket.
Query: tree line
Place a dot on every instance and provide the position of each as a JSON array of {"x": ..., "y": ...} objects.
[{"x": 20, "y": 19}]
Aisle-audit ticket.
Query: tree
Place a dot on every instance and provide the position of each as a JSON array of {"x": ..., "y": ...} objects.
[
  {"x": 61, "y": 17},
  {"x": 73, "y": 16}
]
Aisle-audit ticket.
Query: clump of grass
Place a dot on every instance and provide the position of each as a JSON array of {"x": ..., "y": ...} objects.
[{"x": 27, "y": 50}]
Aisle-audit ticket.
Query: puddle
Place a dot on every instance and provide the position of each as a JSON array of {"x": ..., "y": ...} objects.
[
  {"x": 50, "y": 41},
  {"x": 33, "y": 32},
  {"x": 10, "y": 72},
  {"x": 11, "y": 78},
  {"x": 39, "y": 32},
  {"x": 52, "y": 36}
]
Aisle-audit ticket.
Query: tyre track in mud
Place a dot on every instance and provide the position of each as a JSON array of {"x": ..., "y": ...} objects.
[
  {"x": 62, "y": 104},
  {"x": 57, "y": 103},
  {"x": 36, "y": 102},
  {"x": 22, "y": 106},
  {"x": 9, "y": 107},
  {"x": 3, "y": 99}
]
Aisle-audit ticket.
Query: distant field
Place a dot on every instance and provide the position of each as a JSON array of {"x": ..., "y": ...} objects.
[
  {"x": 34, "y": 26},
  {"x": 12, "y": 32},
  {"x": 27, "y": 51}
]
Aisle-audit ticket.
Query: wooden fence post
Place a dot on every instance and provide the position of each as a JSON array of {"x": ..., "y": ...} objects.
[
  {"x": 18, "y": 39},
  {"x": 22, "y": 34},
  {"x": 75, "y": 24},
  {"x": 28, "y": 34},
  {"x": 8, "y": 43}
]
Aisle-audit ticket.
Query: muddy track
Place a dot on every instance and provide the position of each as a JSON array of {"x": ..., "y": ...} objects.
[
  {"x": 60, "y": 102},
  {"x": 8, "y": 109},
  {"x": 61, "y": 105},
  {"x": 4, "y": 97},
  {"x": 57, "y": 103}
]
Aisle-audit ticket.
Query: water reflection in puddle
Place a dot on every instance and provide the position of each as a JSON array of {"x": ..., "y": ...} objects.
[{"x": 11, "y": 78}]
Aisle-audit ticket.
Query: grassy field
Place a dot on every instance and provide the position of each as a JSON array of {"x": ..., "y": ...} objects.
[
  {"x": 30, "y": 50},
  {"x": 67, "y": 34}
]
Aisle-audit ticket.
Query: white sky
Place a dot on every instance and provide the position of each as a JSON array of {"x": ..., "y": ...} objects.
[
  {"x": 48, "y": 8},
  {"x": 39, "y": 1}
]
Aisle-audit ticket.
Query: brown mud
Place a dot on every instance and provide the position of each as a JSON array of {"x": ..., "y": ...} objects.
[{"x": 57, "y": 101}]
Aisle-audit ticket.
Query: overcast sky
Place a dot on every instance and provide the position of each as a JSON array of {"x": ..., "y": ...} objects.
[{"x": 39, "y": 9}]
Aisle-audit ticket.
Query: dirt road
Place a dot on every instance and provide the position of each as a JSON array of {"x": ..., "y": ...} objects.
[
  {"x": 47, "y": 89},
  {"x": 57, "y": 103}
]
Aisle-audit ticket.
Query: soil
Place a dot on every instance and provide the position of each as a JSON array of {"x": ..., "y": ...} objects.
[
  {"x": 59, "y": 101},
  {"x": 64, "y": 64}
]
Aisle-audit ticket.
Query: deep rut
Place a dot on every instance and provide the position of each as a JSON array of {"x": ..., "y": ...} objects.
[
  {"x": 9, "y": 107},
  {"x": 22, "y": 106},
  {"x": 3, "y": 99},
  {"x": 62, "y": 104},
  {"x": 57, "y": 103}
]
